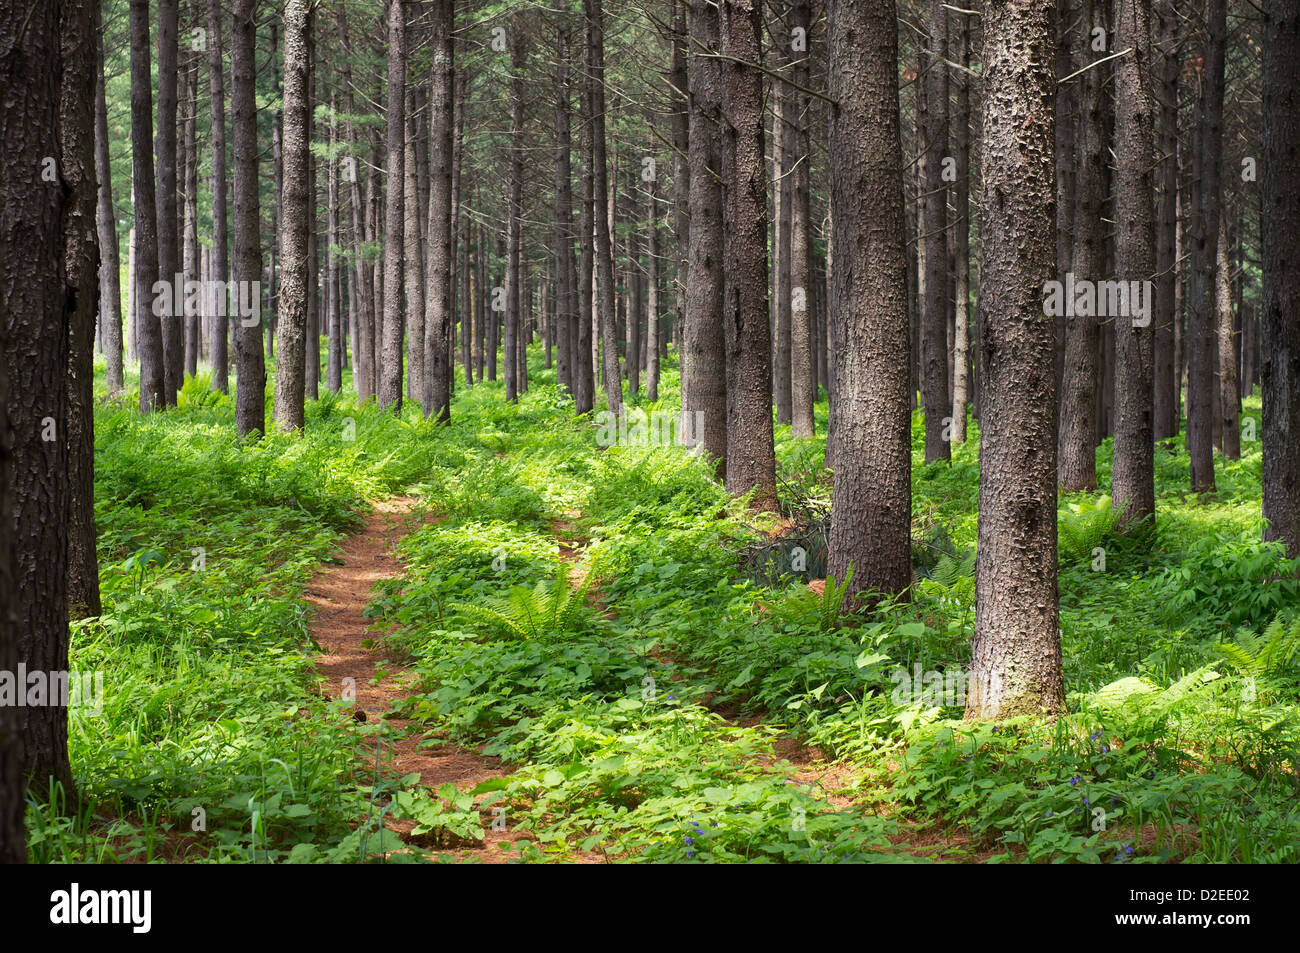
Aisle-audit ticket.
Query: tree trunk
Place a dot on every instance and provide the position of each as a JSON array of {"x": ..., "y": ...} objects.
[
  {"x": 679, "y": 81},
  {"x": 1280, "y": 236},
  {"x": 1016, "y": 652},
  {"x": 390, "y": 358},
  {"x": 803, "y": 373},
  {"x": 871, "y": 514},
  {"x": 110, "y": 289},
  {"x": 30, "y": 273},
  {"x": 1166, "y": 381},
  {"x": 704, "y": 381},
  {"x": 652, "y": 303},
  {"x": 165, "y": 197},
  {"x": 751, "y": 461},
  {"x": 80, "y": 38},
  {"x": 602, "y": 207},
  {"x": 39, "y": 305},
  {"x": 1133, "y": 490},
  {"x": 1226, "y": 402},
  {"x": 190, "y": 261},
  {"x": 250, "y": 364},
  {"x": 436, "y": 395},
  {"x": 291, "y": 322},
  {"x": 961, "y": 240},
  {"x": 1081, "y": 382},
  {"x": 1202, "y": 391},
  {"x": 144, "y": 273},
  {"x": 934, "y": 311},
  {"x": 220, "y": 254}
]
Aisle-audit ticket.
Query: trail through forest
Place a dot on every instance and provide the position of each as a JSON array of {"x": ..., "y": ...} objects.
[{"x": 340, "y": 594}]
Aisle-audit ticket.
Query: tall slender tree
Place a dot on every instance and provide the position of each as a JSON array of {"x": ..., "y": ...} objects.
[
  {"x": 1133, "y": 487},
  {"x": 934, "y": 239},
  {"x": 1016, "y": 651},
  {"x": 110, "y": 289},
  {"x": 437, "y": 302},
  {"x": 602, "y": 208},
  {"x": 871, "y": 511},
  {"x": 291, "y": 303},
  {"x": 1280, "y": 238},
  {"x": 390, "y": 367},
  {"x": 704, "y": 381},
  {"x": 144, "y": 272},
  {"x": 218, "y": 310},
  {"x": 250, "y": 362},
  {"x": 80, "y": 39},
  {"x": 165, "y": 200}
]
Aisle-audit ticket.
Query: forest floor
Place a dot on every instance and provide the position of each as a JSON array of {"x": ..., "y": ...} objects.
[{"x": 573, "y": 653}]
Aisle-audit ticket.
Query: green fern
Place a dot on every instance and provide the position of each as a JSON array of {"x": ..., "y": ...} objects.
[
  {"x": 1084, "y": 527},
  {"x": 952, "y": 579},
  {"x": 1266, "y": 654},
  {"x": 550, "y": 608}
]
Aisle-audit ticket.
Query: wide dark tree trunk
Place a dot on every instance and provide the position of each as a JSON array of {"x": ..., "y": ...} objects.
[
  {"x": 872, "y": 510},
  {"x": 704, "y": 380},
  {"x": 110, "y": 289},
  {"x": 751, "y": 460},
  {"x": 1280, "y": 257},
  {"x": 80, "y": 40},
  {"x": 679, "y": 82},
  {"x": 220, "y": 330},
  {"x": 1016, "y": 652},
  {"x": 934, "y": 304},
  {"x": 148, "y": 326},
  {"x": 37, "y": 306},
  {"x": 436, "y": 395},
  {"x": 1202, "y": 389},
  {"x": 1133, "y": 489},
  {"x": 585, "y": 397},
  {"x": 250, "y": 363},
  {"x": 291, "y": 320},
  {"x": 31, "y": 72},
  {"x": 165, "y": 197},
  {"x": 602, "y": 208},
  {"x": 390, "y": 367}
]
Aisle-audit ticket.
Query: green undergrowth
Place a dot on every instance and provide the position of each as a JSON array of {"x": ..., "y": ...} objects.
[{"x": 639, "y": 649}]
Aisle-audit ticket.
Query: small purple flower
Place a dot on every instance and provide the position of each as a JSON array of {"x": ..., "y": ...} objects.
[
  {"x": 1049, "y": 813},
  {"x": 690, "y": 840},
  {"x": 1074, "y": 780}
]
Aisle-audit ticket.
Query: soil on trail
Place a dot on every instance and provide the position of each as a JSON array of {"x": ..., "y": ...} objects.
[{"x": 339, "y": 594}]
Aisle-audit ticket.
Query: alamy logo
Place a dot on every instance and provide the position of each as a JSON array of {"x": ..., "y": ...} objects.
[
  {"x": 181, "y": 298},
  {"x": 1100, "y": 299},
  {"x": 658, "y": 429},
  {"x": 75, "y": 906},
  {"x": 38, "y": 689}
]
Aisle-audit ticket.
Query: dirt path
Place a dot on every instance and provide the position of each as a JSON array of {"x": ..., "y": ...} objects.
[{"x": 339, "y": 595}]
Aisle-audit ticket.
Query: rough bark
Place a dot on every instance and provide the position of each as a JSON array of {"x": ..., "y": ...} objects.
[
  {"x": 751, "y": 460},
  {"x": 1081, "y": 380},
  {"x": 1166, "y": 381},
  {"x": 1016, "y": 653},
  {"x": 602, "y": 207},
  {"x": 960, "y": 132},
  {"x": 110, "y": 290},
  {"x": 1226, "y": 401},
  {"x": 1280, "y": 255},
  {"x": 291, "y": 305},
  {"x": 934, "y": 303},
  {"x": 704, "y": 389},
  {"x": 250, "y": 363},
  {"x": 144, "y": 273},
  {"x": 36, "y": 308},
  {"x": 394, "y": 326},
  {"x": 803, "y": 374},
  {"x": 1202, "y": 392},
  {"x": 220, "y": 330},
  {"x": 436, "y": 395},
  {"x": 1133, "y": 490},
  {"x": 79, "y": 36},
  {"x": 871, "y": 512},
  {"x": 165, "y": 197}
]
